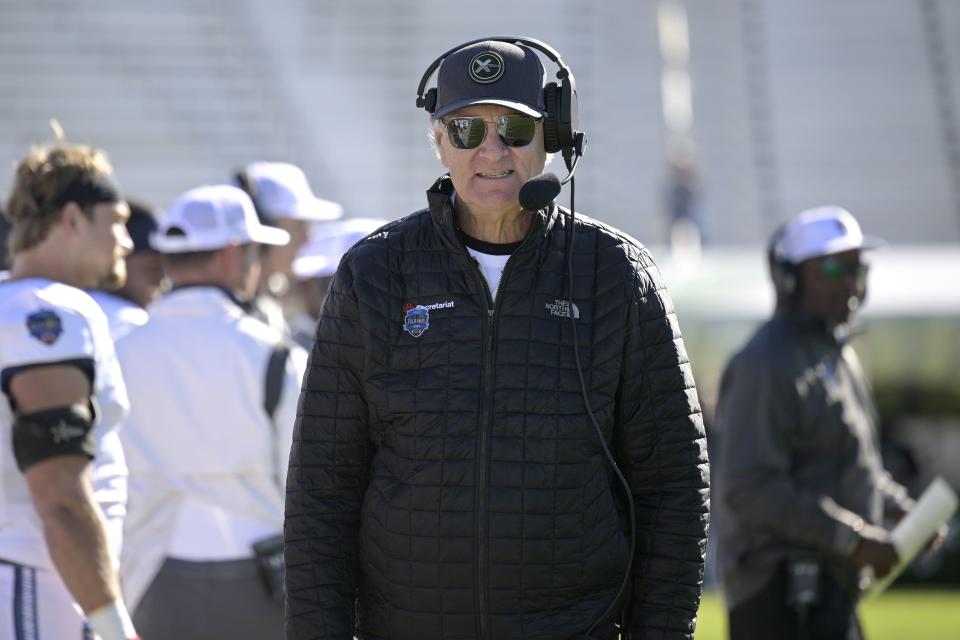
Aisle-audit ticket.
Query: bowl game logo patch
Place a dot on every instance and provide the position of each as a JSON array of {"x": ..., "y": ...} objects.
[
  {"x": 416, "y": 319},
  {"x": 45, "y": 326}
]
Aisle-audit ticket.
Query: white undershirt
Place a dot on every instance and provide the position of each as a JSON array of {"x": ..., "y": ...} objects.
[
  {"x": 206, "y": 533},
  {"x": 491, "y": 267}
]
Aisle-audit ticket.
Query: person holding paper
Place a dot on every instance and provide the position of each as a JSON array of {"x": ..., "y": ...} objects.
[{"x": 802, "y": 495}]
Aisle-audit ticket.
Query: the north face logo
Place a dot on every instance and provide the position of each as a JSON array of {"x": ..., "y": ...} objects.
[{"x": 561, "y": 309}]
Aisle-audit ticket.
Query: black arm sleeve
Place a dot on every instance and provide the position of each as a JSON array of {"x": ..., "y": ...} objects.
[{"x": 51, "y": 433}]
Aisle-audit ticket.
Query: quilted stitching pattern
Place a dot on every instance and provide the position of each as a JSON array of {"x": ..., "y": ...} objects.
[{"x": 394, "y": 435}]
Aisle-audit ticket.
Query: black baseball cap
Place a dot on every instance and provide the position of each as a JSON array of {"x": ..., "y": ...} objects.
[
  {"x": 141, "y": 225},
  {"x": 491, "y": 72}
]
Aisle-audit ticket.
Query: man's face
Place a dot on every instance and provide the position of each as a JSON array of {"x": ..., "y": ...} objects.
[
  {"x": 488, "y": 178},
  {"x": 144, "y": 275},
  {"x": 312, "y": 292},
  {"x": 104, "y": 243},
  {"x": 833, "y": 286},
  {"x": 248, "y": 270},
  {"x": 279, "y": 258}
]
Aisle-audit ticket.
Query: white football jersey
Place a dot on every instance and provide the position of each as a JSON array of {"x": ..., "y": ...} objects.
[
  {"x": 122, "y": 315},
  {"x": 44, "y": 322}
]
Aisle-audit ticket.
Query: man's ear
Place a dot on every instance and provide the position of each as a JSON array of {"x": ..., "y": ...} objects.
[
  {"x": 72, "y": 216},
  {"x": 438, "y": 143}
]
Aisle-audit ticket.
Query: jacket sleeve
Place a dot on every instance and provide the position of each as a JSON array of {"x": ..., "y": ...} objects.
[
  {"x": 757, "y": 416},
  {"x": 286, "y": 414},
  {"x": 895, "y": 495},
  {"x": 663, "y": 454},
  {"x": 327, "y": 475}
]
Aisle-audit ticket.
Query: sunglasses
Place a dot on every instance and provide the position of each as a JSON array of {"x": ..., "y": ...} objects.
[
  {"x": 833, "y": 269},
  {"x": 469, "y": 132}
]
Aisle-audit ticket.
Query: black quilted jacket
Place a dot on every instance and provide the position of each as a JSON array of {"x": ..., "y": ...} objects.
[{"x": 445, "y": 480}]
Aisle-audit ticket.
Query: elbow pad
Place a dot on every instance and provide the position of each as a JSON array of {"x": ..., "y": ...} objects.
[{"x": 51, "y": 433}]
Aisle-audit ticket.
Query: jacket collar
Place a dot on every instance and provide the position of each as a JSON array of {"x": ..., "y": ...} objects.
[
  {"x": 440, "y": 202},
  {"x": 201, "y": 298}
]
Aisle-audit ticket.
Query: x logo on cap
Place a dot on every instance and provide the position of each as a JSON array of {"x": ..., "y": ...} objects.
[{"x": 486, "y": 67}]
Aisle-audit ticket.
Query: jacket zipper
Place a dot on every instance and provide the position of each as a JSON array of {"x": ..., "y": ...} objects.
[{"x": 486, "y": 398}]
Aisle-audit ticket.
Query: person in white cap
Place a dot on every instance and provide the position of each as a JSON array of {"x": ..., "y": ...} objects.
[
  {"x": 213, "y": 393},
  {"x": 314, "y": 266},
  {"x": 802, "y": 501},
  {"x": 62, "y": 469},
  {"x": 282, "y": 196}
]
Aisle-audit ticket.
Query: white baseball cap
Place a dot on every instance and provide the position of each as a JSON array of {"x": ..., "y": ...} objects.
[
  {"x": 212, "y": 217},
  {"x": 282, "y": 191},
  {"x": 822, "y": 231},
  {"x": 327, "y": 243}
]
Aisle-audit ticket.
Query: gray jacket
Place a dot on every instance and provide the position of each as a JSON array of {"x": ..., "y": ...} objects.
[{"x": 798, "y": 460}]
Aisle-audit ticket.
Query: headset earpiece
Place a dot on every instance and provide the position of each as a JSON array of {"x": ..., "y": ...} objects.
[
  {"x": 568, "y": 114},
  {"x": 250, "y": 188},
  {"x": 551, "y": 121},
  {"x": 561, "y": 120},
  {"x": 428, "y": 101},
  {"x": 785, "y": 276}
]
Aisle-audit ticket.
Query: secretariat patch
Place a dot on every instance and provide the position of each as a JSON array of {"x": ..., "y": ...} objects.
[
  {"x": 45, "y": 326},
  {"x": 416, "y": 320}
]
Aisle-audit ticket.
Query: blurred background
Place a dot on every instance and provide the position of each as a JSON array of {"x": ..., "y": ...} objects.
[{"x": 708, "y": 123}]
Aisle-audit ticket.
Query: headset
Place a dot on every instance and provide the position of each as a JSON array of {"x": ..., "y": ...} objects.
[
  {"x": 560, "y": 98},
  {"x": 559, "y": 134},
  {"x": 785, "y": 274},
  {"x": 243, "y": 181}
]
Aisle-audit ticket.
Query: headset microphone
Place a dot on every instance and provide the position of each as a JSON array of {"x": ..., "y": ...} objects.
[{"x": 538, "y": 192}]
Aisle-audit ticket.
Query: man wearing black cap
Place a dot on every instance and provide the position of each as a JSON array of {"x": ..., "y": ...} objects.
[
  {"x": 460, "y": 469},
  {"x": 126, "y": 307}
]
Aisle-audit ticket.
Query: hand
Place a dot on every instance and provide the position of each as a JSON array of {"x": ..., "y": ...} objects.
[
  {"x": 894, "y": 513},
  {"x": 936, "y": 541},
  {"x": 112, "y": 622},
  {"x": 875, "y": 550}
]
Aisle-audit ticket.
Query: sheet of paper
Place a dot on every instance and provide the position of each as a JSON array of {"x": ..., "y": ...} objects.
[{"x": 934, "y": 508}]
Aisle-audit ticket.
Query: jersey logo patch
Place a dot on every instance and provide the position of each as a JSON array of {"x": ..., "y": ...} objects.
[
  {"x": 45, "y": 326},
  {"x": 416, "y": 320}
]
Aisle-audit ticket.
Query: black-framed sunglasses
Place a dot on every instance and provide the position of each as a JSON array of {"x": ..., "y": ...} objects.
[
  {"x": 833, "y": 269},
  {"x": 515, "y": 130}
]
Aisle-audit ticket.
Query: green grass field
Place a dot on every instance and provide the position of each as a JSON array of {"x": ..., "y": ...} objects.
[{"x": 898, "y": 615}]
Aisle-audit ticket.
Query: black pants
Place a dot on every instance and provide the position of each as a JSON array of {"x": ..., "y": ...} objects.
[
  {"x": 209, "y": 601},
  {"x": 768, "y": 614}
]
